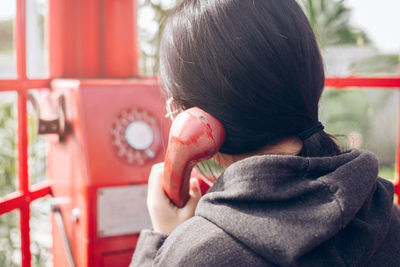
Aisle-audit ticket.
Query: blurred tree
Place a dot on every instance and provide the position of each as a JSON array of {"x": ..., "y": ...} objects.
[
  {"x": 152, "y": 14},
  {"x": 355, "y": 111},
  {"x": 367, "y": 112},
  {"x": 9, "y": 237},
  {"x": 376, "y": 64},
  {"x": 40, "y": 214},
  {"x": 330, "y": 20},
  {"x": 6, "y": 34},
  {"x": 9, "y": 223}
]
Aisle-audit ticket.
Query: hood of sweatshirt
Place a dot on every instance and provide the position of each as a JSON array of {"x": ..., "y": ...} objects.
[{"x": 284, "y": 207}]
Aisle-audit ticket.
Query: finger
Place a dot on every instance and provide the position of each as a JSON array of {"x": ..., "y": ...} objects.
[
  {"x": 155, "y": 191},
  {"x": 155, "y": 177},
  {"x": 195, "y": 190},
  {"x": 195, "y": 193}
]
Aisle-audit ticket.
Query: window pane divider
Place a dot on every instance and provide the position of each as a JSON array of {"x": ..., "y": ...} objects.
[{"x": 15, "y": 199}]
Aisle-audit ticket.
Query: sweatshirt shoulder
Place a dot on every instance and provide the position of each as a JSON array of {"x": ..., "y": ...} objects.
[
  {"x": 389, "y": 252},
  {"x": 198, "y": 242}
]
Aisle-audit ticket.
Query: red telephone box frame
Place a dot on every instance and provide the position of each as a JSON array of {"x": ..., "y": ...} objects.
[
  {"x": 374, "y": 82},
  {"x": 101, "y": 41}
]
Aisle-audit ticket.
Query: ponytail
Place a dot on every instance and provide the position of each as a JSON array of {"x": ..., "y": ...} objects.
[{"x": 320, "y": 144}]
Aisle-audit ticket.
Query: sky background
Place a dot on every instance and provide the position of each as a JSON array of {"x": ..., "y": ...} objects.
[{"x": 380, "y": 19}]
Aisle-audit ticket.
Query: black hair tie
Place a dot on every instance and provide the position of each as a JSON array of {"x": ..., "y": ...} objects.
[{"x": 311, "y": 131}]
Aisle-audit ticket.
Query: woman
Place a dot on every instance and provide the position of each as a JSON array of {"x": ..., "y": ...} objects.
[{"x": 288, "y": 196}]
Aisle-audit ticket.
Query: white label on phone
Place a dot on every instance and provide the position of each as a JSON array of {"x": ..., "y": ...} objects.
[{"x": 122, "y": 210}]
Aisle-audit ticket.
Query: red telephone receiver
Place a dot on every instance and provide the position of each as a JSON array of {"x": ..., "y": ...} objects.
[{"x": 194, "y": 136}]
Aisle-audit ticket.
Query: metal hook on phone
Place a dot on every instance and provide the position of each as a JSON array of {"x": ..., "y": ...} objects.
[{"x": 55, "y": 126}]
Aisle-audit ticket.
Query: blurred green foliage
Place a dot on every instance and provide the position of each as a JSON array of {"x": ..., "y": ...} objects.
[
  {"x": 363, "y": 118},
  {"x": 10, "y": 245},
  {"x": 155, "y": 13},
  {"x": 388, "y": 172},
  {"x": 9, "y": 233},
  {"x": 6, "y": 34},
  {"x": 377, "y": 64},
  {"x": 9, "y": 223},
  {"x": 330, "y": 20},
  {"x": 8, "y": 153}
]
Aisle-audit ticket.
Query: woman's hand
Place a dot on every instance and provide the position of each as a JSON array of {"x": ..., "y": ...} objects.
[{"x": 165, "y": 216}]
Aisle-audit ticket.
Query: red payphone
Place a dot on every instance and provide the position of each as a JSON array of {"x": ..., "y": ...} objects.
[{"x": 114, "y": 131}]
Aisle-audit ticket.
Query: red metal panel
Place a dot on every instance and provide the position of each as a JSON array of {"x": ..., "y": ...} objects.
[
  {"x": 87, "y": 160},
  {"x": 397, "y": 183},
  {"x": 58, "y": 252},
  {"x": 9, "y": 85},
  {"x": 97, "y": 39},
  {"x": 11, "y": 202},
  {"x": 116, "y": 251},
  {"x": 384, "y": 82},
  {"x": 120, "y": 39},
  {"x": 24, "y": 220},
  {"x": 22, "y": 142},
  {"x": 81, "y": 38},
  {"x": 17, "y": 199},
  {"x": 89, "y": 15},
  {"x": 40, "y": 190},
  {"x": 19, "y": 85},
  {"x": 37, "y": 83},
  {"x": 69, "y": 37},
  {"x": 20, "y": 38},
  {"x": 55, "y": 33}
]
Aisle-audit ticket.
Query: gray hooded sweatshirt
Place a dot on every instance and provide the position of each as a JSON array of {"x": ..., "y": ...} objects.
[{"x": 286, "y": 211}]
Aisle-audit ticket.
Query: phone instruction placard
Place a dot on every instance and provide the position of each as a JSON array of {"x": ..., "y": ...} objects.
[{"x": 122, "y": 210}]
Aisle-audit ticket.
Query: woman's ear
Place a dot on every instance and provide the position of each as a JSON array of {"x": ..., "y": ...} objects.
[{"x": 225, "y": 160}]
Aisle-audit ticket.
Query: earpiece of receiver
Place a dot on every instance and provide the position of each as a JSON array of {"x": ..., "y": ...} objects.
[{"x": 194, "y": 136}]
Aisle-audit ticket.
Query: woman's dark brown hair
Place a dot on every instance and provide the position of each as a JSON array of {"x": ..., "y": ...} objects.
[{"x": 253, "y": 64}]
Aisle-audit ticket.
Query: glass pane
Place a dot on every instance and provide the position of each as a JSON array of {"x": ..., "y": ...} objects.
[
  {"x": 7, "y": 50},
  {"x": 357, "y": 37},
  {"x": 150, "y": 15},
  {"x": 37, "y": 149},
  {"x": 366, "y": 119},
  {"x": 10, "y": 239},
  {"x": 8, "y": 141},
  {"x": 36, "y": 48},
  {"x": 41, "y": 240}
]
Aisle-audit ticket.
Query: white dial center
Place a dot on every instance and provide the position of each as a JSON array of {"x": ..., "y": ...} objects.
[{"x": 139, "y": 135}]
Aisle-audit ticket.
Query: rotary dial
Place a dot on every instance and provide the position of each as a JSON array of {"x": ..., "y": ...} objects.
[{"x": 135, "y": 136}]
